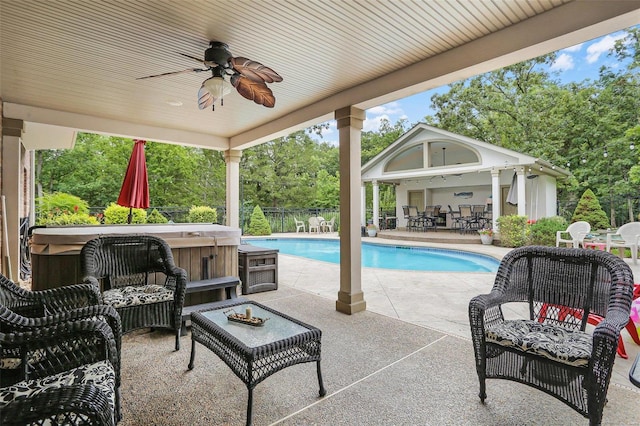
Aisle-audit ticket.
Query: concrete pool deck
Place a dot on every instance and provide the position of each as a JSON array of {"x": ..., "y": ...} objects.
[{"x": 436, "y": 300}]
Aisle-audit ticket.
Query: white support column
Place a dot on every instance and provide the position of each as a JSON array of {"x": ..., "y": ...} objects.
[
  {"x": 495, "y": 198},
  {"x": 376, "y": 203},
  {"x": 12, "y": 185},
  {"x": 522, "y": 195},
  {"x": 363, "y": 204},
  {"x": 232, "y": 159},
  {"x": 350, "y": 297}
]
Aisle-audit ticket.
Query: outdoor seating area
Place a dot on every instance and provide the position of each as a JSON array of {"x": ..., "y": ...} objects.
[
  {"x": 319, "y": 224},
  {"x": 467, "y": 218},
  {"x": 415, "y": 353}
]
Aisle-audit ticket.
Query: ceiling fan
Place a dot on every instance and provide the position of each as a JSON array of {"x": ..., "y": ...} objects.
[{"x": 247, "y": 76}]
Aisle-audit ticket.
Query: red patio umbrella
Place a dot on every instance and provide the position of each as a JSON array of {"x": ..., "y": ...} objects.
[{"x": 135, "y": 187}]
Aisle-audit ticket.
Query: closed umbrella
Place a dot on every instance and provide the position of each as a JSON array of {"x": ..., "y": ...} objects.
[
  {"x": 135, "y": 186},
  {"x": 512, "y": 196}
]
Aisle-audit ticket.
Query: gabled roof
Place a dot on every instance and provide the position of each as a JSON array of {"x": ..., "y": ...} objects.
[{"x": 491, "y": 156}]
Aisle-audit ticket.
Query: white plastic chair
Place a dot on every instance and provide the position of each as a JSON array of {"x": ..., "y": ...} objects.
[
  {"x": 328, "y": 226},
  {"x": 314, "y": 224},
  {"x": 629, "y": 234},
  {"x": 299, "y": 225},
  {"x": 577, "y": 231}
]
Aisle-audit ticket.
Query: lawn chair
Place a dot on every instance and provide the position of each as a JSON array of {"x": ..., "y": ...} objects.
[
  {"x": 550, "y": 351},
  {"x": 299, "y": 225},
  {"x": 577, "y": 231},
  {"x": 314, "y": 224},
  {"x": 327, "y": 226},
  {"x": 629, "y": 235}
]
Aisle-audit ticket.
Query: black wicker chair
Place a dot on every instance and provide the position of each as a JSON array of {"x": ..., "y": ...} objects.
[
  {"x": 551, "y": 350},
  {"x": 138, "y": 278},
  {"x": 22, "y": 310},
  {"x": 83, "y": 392}
]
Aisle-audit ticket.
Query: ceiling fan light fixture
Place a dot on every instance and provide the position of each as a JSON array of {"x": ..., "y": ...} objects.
[{"x": 212, "y": 89}]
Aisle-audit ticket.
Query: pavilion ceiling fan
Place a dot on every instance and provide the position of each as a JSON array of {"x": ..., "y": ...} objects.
[{"x": 247, "y": 76}]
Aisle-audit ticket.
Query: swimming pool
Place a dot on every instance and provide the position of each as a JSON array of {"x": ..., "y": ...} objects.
[{"x": 384, "y": 256}]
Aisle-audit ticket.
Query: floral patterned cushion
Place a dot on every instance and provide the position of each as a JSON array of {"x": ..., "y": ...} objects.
[
  {"x": 549, "y": 341},
  {"x": 132, "y": 295},
  {"x": 100, "y": 374}
]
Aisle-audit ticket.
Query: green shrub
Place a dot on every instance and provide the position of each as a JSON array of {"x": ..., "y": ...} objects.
[
  {"x": 61, "y": 208},
  {"x": 513, "y": 231},
  {"x": 156, "y": 217},
  {"x": 60, "y": 203},
  {"x": 543, "y": 232},
  {"x": 589, "y": 210},
  {"x": 258, "y": 225},
  {"x": 116, "y": 214},
  {"x": 202, "y": 214},
  {"x": 67, "y": 219}
]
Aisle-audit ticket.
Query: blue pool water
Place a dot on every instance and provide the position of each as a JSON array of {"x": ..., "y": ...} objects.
[{"x": 384, "y": 256}]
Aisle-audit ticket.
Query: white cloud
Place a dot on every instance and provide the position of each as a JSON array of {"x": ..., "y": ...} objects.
[
  {"x": 575, "y": 48},
  {"x": 563, "y": 62},
  {"x": 392, "y": 108},
  {"x": 602, "y": 46},
  {"x": 373, "y": 124}
]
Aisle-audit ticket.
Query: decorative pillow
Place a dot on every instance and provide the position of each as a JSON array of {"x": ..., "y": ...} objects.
[
  {"x": 549, "y": 341},
  {"x": 100, "y": 374},
  {"x": 132, "y": 295}
]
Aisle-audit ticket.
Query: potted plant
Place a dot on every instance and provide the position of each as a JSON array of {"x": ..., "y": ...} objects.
[
  {"x": 486, "y": 235},
  {"x": 372, "y": 230}
]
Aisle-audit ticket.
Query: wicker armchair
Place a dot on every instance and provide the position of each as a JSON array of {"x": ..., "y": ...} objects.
[
  {"x": 550, "y": 350},
  {"x": 23, "y": 311},
  {"x": 70, "y": 371},
  {"x": 138, "y": 278}
]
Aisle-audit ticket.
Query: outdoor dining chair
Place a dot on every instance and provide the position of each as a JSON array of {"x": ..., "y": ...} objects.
[
  {"x": 139, "y": 278},
  {"x": 546, "y": 349},
  {"x": 574, "y": 234},
  {"x": 327, "y": 226},
  {"x": 629, "y": 237},
  {"x": 299, "y": 225}
]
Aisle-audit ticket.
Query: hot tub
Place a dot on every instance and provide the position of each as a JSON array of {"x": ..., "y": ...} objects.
[{"x": 55, "y": 250}]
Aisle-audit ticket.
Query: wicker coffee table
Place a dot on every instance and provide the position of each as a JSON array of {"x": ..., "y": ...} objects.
[{"x": 255, "y": 352}]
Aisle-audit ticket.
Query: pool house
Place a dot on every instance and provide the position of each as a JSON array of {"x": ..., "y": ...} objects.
[{"x": 431, "y": 166}]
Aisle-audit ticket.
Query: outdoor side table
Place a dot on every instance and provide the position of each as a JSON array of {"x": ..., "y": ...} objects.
[{"x": 255, "y": 352}]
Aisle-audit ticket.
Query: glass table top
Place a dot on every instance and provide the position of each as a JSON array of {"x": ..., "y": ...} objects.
[{"x": 274, "y": 329}]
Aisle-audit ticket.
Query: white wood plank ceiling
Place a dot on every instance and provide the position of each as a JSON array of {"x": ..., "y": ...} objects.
[{"x": 74, "y": 63}]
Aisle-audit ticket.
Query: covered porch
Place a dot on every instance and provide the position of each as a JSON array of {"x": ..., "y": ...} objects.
[
  {"x": 69, "y": 68},
  {"x": 407, "y": 360}
]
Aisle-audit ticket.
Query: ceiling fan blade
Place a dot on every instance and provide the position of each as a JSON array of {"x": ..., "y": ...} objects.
[
  {"x": 173, "y": 73},
  {"x": 192, "y": 57},
  {"x": 205, "y": 98},
  {"x": 255, "y": 91},
  {"x": 255, "y": 70}
]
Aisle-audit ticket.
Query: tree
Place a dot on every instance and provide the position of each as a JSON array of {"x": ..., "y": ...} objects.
[
  {"x": 258, "y": 224},
  {"x": 589, "y": 210}
]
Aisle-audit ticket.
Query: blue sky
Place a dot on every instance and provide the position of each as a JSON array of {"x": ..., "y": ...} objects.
[{"x": 576, "y": 63}]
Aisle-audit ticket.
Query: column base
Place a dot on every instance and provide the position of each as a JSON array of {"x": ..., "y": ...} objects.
[{"x": 350, "y": 303}]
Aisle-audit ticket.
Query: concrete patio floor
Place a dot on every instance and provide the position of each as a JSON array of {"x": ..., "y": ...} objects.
[{"x": 407, "y": 360}]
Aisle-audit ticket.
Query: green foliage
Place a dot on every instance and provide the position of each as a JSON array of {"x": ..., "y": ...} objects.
[
  {"x": 258, "y": 225},
  {"x": 115, "y": 214},
  {"x": 202, "y": 214},
  {"x": 61, "y": 208},
  {"x": 156, "y": 217},
  {"x": 60, "y": 203},
  {"x": 543, "y": 232},
  {"x": 67, "y": 219},
  {"x": 513, "y": 230},
  {"x": 589, "y": 210}
]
